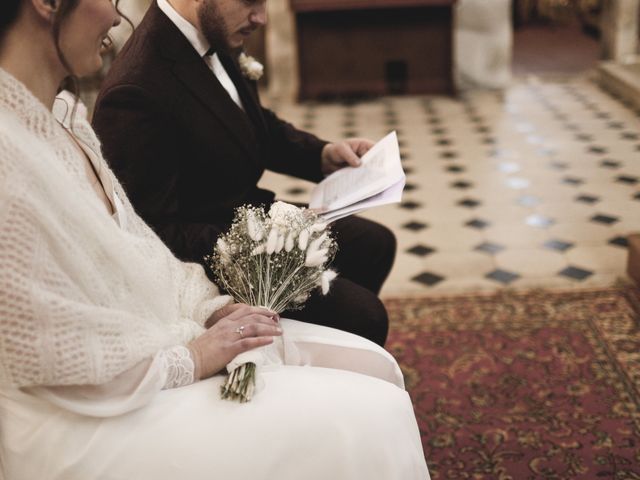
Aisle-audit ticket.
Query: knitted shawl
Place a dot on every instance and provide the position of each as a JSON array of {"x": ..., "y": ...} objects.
[{"x": 81, "y": 298}]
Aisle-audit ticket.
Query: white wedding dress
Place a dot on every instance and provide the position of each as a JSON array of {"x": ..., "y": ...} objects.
[{"x": 94, "y": 311}]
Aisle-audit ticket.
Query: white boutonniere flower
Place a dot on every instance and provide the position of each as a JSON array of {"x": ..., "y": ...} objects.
[{"x": 250, "y": 67}]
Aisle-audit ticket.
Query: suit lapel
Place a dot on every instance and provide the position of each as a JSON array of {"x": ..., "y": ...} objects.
[
  {"x": 249, "y": 99},
  {"x": 191, "y": 70},
  {"x": 205, "y": 86}
]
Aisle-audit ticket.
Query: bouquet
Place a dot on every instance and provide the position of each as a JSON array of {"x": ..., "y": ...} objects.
[{"x": 272, "y": 260}]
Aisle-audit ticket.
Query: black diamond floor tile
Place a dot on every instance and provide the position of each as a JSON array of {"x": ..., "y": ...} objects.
[
  {"x": 410, "y": 205},
  {"x": 415, "y": 226},
  {"x": 439, "y": 131},
  {"x": 610, "y": 164},
  {"x": 584, "y": 137},
  {"x": 615, "y": 125},
  {"x": 449, "y": 154},
  {"x": 489, "y": 140},
  {"x": 420, "y": 250},
  {"x": 572, "y": 181},
  {"x": 589, "y": 199},
  {"x": 619, "y": 241},
  {"x": 604, "y": 219},
  {"x": 444, "y": 141},
  {"x": 409, "y": 187},
  {"x": 558, "y": 245},
  {"x": 489, "y": 247},
  {"x": 477, "y": 223},
  {"x": 461, "y": 184},
  {"x": 630, "y": 136},
  {"x": 503, "y": 276},
  {"x": 597, "y": 150},
  {"x": 455, "y": 169},
  {"x": 427, "y": 278},
  {"x": 636, "y": 196},
  {"x": 559, "y": 165},
  {"x": 469, "y": 203},
  {"x": 629, "y": 180},
  {"x": 296, "y": 191},
  {"x": 575, "y": 273}
]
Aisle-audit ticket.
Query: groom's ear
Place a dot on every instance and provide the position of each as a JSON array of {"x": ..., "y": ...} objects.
[{"x": 45, "y": 9}]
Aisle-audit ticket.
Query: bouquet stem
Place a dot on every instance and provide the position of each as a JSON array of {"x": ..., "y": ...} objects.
[{"x": 240, "y": 383}]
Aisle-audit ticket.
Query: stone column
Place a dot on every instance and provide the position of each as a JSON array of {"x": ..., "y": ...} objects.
[
  {"x": 483, "y": 43},
  {"x": 619, "y": 27},
  {"x": 281, "y": 45}
]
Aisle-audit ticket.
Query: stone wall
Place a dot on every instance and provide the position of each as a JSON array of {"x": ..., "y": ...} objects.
[{"x": 620, "y": 30}]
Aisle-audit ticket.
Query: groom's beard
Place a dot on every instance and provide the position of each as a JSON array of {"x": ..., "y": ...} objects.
[{"x": 213, "y": 27}]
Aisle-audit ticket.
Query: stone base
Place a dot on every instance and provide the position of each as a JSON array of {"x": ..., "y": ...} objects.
[
  {"x": 633, "y": 261},
  {"x": 623, "y": 80}
]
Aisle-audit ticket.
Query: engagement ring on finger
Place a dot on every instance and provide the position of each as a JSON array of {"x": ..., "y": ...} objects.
[{"x": 240, "y": 330}]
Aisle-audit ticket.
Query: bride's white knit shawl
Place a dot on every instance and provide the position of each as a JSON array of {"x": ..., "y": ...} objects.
[{"x": 81, "y": 299}]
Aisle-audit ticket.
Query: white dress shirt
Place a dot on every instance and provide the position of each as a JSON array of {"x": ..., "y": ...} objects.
[{"x": 201, "y": 45}]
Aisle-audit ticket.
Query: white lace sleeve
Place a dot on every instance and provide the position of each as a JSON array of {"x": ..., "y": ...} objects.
[
  {"x": 169, "y": 368},
  {"x": 178, "y": 365}
]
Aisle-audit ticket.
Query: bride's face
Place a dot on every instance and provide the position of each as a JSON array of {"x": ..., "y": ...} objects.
[{"x": 82, "y": 34}]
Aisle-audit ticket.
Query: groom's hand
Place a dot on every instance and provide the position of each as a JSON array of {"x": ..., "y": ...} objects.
[{"x": 344, "y": 154}]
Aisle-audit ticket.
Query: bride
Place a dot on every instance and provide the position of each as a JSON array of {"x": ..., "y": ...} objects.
[{"x": 111, "y": 349}]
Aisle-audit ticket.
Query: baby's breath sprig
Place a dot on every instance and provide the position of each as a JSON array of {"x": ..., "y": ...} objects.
[{"x": 272, "y": 260}]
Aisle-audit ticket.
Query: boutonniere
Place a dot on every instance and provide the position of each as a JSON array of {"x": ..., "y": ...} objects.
[{"x": 250, "y": 67}]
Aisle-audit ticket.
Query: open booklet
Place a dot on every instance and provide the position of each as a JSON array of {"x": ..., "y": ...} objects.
[{"x": 378, "y": 181}]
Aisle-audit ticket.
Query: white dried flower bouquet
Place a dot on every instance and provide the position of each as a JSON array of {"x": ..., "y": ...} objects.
[{"x": 272, "y": 260}]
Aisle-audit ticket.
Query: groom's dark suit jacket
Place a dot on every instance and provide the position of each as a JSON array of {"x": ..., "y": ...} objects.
[
  {"x": 185, "y": 152},
  {"x": 188, "y": 155}
]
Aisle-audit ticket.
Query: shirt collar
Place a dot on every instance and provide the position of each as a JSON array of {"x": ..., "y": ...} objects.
[{"x": 192, "y": 34}]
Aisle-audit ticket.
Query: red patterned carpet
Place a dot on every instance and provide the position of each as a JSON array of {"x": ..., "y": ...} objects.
[{"x": 524, "y": 385}]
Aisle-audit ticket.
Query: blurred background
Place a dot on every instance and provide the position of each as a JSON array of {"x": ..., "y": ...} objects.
[{"x": 518, "y": 124}]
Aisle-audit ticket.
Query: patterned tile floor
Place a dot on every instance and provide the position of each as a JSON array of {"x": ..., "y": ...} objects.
[{"x": 536, "y": 186}]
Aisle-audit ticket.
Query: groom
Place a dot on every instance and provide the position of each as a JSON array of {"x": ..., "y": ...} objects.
[{"x": 186, "y": 134}]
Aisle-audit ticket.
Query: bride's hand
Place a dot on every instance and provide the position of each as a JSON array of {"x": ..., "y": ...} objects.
[
  {"x": 241, "y": 328},
  {"x": 228, "y": 310}
]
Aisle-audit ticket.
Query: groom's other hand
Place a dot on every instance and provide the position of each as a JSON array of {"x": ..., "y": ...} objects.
[{"x": 344, "y": 154}]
